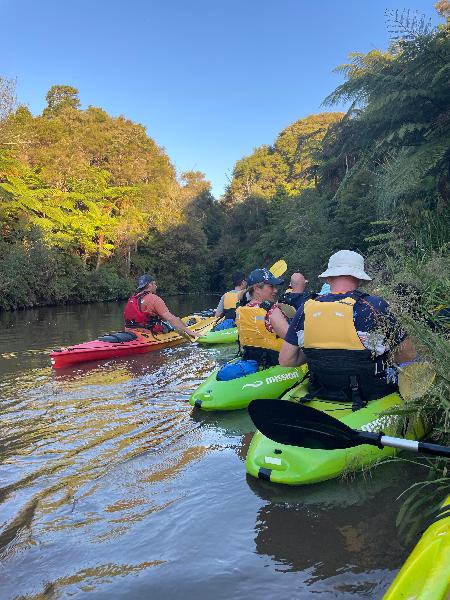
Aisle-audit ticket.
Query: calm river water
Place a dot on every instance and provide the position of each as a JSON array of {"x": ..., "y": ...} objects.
[{"x": 111, "y": 486}]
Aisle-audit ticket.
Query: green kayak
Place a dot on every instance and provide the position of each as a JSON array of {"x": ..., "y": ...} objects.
[
  {"x": 238, "y": 393},
  {"x": 426, "y": 573},
  {"x": 224, "y": 336},
  {"x": 293, "y": 465}
]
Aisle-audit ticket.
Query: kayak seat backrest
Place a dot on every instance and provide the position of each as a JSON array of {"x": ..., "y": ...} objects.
[{"x": 120, "y": 336}]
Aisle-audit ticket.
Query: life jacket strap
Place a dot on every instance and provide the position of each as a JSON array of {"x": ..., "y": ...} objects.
[
  {"x": 357, "y": 401},
  {"x": 347, "y": 376}
]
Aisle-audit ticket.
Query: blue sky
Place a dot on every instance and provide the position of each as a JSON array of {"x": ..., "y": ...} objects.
[{"x": 210, "y": 80}]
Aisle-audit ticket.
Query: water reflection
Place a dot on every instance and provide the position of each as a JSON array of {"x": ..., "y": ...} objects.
[{"x": 334, "y": 531}]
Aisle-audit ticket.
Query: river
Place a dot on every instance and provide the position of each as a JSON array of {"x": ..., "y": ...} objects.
[{"x": 112, "y": 486}]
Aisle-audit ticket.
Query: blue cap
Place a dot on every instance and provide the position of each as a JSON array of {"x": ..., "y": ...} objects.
[
  {"x": 263, "y": 276},
  {"x": 144, "y": 280}
]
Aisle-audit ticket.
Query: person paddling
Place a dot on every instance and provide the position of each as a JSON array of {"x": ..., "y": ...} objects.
[
  {"x": 228, "y": 302},
  {"x": 261, "y": 324},
  {"x": 346, "y": 337},
  {"x": 146, "y": 309}
]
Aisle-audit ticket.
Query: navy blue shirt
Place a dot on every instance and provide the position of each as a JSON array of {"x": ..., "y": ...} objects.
[{"x": 375, "y": 325}]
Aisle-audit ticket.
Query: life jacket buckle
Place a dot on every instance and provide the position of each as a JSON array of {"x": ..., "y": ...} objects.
[{"x": 357, "y": 401}]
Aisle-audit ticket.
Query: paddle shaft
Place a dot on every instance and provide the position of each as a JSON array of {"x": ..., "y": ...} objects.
[
  {"x": 381, "y": 440},
  {"x": 414, "y": 446}
]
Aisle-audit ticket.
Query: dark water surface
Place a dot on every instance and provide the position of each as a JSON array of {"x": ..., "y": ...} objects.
[{"x": 112, "y": 487}]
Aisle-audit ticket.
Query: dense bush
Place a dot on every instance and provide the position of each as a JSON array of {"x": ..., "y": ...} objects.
[{"x": 31, "y": 274}]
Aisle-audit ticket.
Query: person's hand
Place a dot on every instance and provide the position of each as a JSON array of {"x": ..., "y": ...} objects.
[
  {"x": 298, "y": 283},
  {"x": 193, "y": 334}
]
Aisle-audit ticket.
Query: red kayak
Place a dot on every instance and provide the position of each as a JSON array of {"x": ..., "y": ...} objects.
[{"x": 124, "y": 343}]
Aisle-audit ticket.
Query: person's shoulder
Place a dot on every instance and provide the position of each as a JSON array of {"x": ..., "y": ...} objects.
[
  {"x": 154, "y": 299},
  {"x": 376, "y": 301},
  {"x": 325, "y": 297}
]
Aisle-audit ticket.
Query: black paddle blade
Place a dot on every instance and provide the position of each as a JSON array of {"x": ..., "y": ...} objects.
[{"x": 298, "y": 425}]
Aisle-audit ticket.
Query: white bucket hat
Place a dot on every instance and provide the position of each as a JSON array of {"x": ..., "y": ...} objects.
[{"x": 346, "y": 262}]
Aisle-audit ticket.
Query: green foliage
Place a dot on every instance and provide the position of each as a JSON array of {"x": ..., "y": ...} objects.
[
  {"x": 59, "y": 98},
  {"x": 93, "y": 186},
  {"x": 184, "y": 248},
  {"x": 31, "y": 274},
  {"x": 288, "y": 166}
]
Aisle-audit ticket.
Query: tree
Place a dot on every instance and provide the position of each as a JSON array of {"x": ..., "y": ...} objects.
[
  {"x": 59, "y": 98},
  {"x": 289, "y": 164},
  {"x": 8, "y": 97}
]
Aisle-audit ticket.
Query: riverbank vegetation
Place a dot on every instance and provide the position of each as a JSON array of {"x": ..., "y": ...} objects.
[{"x": 87, "y": 200}]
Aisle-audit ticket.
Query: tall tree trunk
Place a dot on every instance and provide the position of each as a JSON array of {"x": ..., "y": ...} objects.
[
  {"x": 128, "y": 259},
  {"x": 101, "y": 240}
]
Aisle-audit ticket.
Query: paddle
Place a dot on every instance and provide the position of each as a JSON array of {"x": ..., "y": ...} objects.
[
  {"x": 289, "y": 311},
  {"x": 415, "y": 378},
  {"x": 279, "y": 268},
  {"x": 298, "y": 425},
  {"x": 186, "y": 336}
]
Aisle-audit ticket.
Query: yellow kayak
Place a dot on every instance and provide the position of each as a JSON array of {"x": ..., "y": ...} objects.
[{"x": 426, "y": 573}]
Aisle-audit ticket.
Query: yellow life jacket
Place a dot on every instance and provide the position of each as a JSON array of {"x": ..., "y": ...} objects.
[
  {"x": 252, "y": 329},
  {"x": 340, "y": 367},
  {"x": 329, "y": 325},
  {"x": 230, "y": 300}
]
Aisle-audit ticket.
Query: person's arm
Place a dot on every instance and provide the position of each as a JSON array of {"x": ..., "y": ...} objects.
[
  {"x": 279, "y": 323},
  {"x": 177, "y": 323},
  {"x": 154, "y": 304},
  {"x": 291, "y": 356},
  {"x": 220, "y": 307},
  {"x": 405, "y": 351},
  {"x": 298, "y": 283},
  {"x": 402, "y": 347}
]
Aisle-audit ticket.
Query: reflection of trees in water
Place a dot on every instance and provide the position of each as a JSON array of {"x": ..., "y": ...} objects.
[{"x": 328, "y": 540}]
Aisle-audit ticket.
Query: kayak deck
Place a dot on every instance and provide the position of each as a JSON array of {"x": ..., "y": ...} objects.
[
  {"x": 224, "y": 336},
  {"x": 145, "y": 341},
  {"x": 294, "y": 465},
  {"x": 237, "y": 393}
]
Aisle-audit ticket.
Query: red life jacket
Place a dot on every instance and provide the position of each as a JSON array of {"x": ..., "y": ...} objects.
[{"x": 133, "y": 314}]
